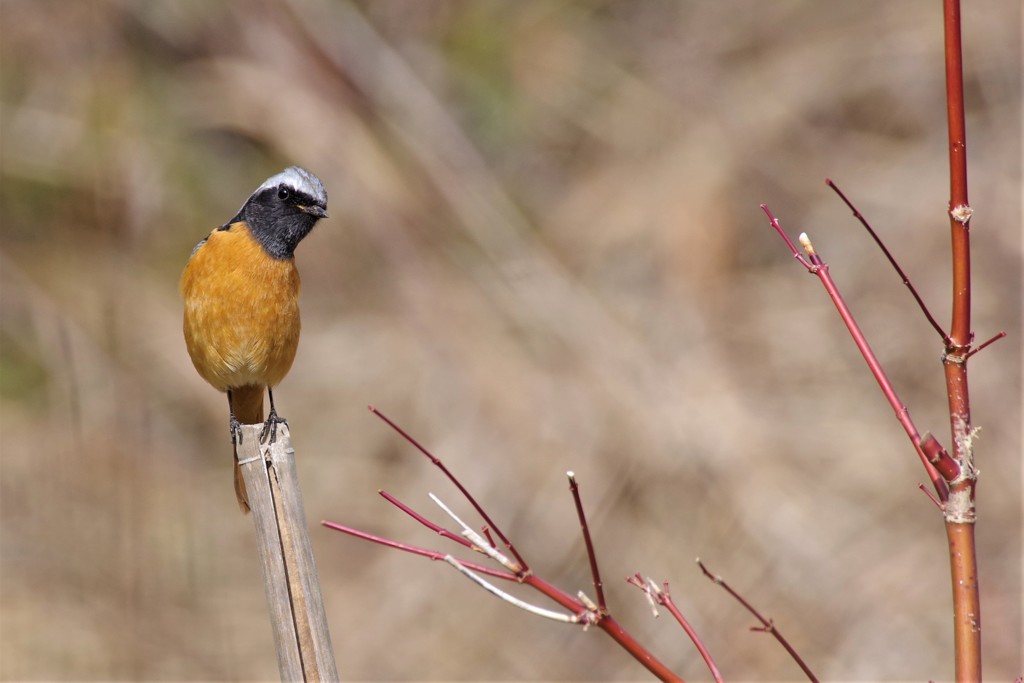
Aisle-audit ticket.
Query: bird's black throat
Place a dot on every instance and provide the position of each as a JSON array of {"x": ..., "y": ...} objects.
[{"x": 277, "y": 224}]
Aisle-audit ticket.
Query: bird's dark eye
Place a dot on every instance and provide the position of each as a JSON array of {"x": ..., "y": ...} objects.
[{"x": 283, "y": 193}]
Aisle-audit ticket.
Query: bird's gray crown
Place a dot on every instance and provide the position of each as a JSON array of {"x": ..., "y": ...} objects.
[{"x": 300, "y": 180}]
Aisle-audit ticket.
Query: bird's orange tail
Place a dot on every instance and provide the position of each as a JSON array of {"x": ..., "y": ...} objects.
[
  {"x": 240, "y": 493},
  {"x": 247, "y": 405}
]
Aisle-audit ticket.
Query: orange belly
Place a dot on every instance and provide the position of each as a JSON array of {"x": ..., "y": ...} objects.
[{"x": 241, "y": 311}]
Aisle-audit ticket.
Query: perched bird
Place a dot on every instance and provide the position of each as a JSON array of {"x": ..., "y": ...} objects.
[{"x": 241, "y": 291}]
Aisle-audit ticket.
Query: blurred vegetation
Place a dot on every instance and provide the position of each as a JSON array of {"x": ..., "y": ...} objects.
[{"x": 544, "y": 253}]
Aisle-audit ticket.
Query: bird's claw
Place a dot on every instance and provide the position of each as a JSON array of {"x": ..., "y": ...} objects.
[
  {"x": 270, "y": 426},
  {"x": 235, "y": 427}
]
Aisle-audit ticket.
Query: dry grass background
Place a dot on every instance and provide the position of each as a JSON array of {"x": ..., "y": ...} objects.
[{"x": 544, "y": 253}]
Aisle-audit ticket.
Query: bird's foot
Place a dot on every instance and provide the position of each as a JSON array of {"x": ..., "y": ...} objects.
[
  {"x": 270, "y": 426},
  {"x": 235, "y": 427}
]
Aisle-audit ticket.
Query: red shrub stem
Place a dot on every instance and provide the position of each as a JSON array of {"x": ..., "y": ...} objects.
[
  {"x": 902, "y": 412},
  {"x": 817, "y": 266},
  {"x": 584, "y": 614},
  {"x": 458, "y": 484},
  {"x": 602, "y": 606},
  {"x": 436, "y": 528},
  {"x": 415, "y": 550},
  {"x": 628, "y": 643},
  {"x": 999, "y": 335},
  {"x": 768, "y": 626},
  {"x": 892, "y": 261},
  {"x": 959, "y": 510},
  {"x": 959, "y": 206},
  {"x": 665, "y": 598},
  {"x": 931, "y": 496}
]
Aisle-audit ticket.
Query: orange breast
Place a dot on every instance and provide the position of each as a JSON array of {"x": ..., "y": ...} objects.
[{"x": 241, "y": 311}]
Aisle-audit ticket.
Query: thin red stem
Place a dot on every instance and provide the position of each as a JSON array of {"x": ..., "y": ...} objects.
[
  {"x": 818, "y": 267},
  {"x": 605, "y": 622},
  {"x": 896, "y": 266},
  {"x": 931, "y": 496},
  {"x": 768, "y": 625},
  {"x": 525, "y": 569},
  {"x": 670, "y": 605},
  {"x": 902, "y": 412},
  {"x": 439, "y": 530},
  {"x": 602, "y": 606},
  {"x": 993, "y": 340},
  {"x": 415, "y": 550},
  {"x": 664, "y": 598},
  {"x": 782, "y": 233}
]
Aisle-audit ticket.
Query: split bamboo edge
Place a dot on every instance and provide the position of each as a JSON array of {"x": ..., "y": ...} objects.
[{"x": 290, "y": 580}]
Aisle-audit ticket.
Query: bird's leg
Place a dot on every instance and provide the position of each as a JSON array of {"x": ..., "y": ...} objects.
[
  {"x": 270, "y": 426},
  {"x": 234, "y": 426}
]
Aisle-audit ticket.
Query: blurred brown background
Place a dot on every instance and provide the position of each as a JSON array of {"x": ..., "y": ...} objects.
[{"x": 544, "y": 253}]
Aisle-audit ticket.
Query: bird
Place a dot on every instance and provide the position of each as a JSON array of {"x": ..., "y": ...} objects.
[{"x": 241, "y": 293}]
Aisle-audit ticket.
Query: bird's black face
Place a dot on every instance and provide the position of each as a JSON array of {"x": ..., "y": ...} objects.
[{"x": 283, "y": 210}]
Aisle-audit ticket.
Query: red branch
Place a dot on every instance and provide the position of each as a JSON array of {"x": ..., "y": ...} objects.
[
  {"x": 931, "y": 496},
  {"x": 415, "y": 550},
  {"x": 602, "y": 606},
  {"x": 818, "y": 267},
  {"x": 605, "y": 622},
  {"x": 999, "y": 335},
  {"x": 892, "y": 261},
  {"x": 525, "y": 569},
  {"x": 768, "y": 626},
  {"x": 946, "y": 341},
  {"x": 959, "y": 206},
  {"x": 664, "y": 598},
  {"x": 959, "y": 510},
  {"x": 586, "y": 615},
  {"x": 439, "y": 530}
]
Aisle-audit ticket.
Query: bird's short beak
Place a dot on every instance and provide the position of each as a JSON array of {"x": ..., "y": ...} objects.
[{"x": 314, "y": 210}]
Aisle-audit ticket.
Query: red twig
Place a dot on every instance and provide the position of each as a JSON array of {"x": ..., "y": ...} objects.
[
  {"x": 525, "y": 569},
  {"x": 892, "y": 261},
  {"x": 602, "y": 606},
  {"x": 542, "y": 586},
  {"x": 767, "y": 625},
  {"x": 931, "y": 496},
  {"x": 818, "y": 267},
  {"x": 953, "y": 476},
  {"x": 993, "y": 340},
  {"x": 439, "y": 530},
  {"x": 782, "y": 233},
  {"x": 415, "y": 550},
  {"x": 664, "y": 598},
  {"x": 584, "y": 613},
  {"x": 605, "y": 622}
]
